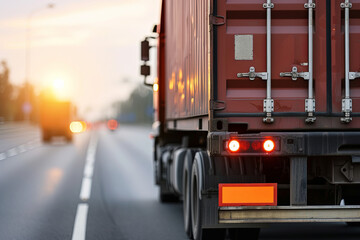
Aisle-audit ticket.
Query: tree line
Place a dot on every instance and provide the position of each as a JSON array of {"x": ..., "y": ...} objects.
[
  {"x": 13, "y": 98},
  {"x": 138, "y": 108}
]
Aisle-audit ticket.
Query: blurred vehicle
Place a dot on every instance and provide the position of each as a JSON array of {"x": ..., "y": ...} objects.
[
  {"x": 55, "y": 119},
  {"x": 236, "y": 132},
  {"x": 112, "y": 124}
]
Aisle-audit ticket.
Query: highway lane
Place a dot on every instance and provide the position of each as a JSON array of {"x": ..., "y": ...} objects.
[
  {"x": 124, "y": 202},
  {"x": 40, "y": 193}
]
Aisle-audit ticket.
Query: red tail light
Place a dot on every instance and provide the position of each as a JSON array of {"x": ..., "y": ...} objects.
[
  {"x": 234, "y": 145},
  {"x": 269, "y": 145},
  {"x": 112, "y": 124}
]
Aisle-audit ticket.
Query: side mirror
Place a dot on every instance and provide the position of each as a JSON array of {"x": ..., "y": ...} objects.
[
  {"x": 145, "y": 50},
  {"x": 145, "y": 70}
]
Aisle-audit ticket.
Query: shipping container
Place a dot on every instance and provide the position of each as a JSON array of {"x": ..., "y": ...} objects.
[{"x": 257, "y": 113}]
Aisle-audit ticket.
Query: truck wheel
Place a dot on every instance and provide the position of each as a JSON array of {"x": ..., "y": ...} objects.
[
  {"x": 46, "y": 137},
  {"x": 69, "y": 138},
  {"x": 196, "y": 204},
  {"x": 166, "y": 195},
  {"x": 244, "y": 233},
  {"x": 186, "y": 192}
]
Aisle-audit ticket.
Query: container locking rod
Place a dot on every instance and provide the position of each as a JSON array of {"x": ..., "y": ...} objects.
[
  {"x": 268, "y": 102},
  {"x": 310, "y": 102},
  {"x": 347, "y": 101}
]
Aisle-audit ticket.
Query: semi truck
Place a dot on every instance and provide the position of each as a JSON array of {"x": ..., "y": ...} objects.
[
  {"x": 257, "y": 107},
  {"x": 55, "y": 118}
]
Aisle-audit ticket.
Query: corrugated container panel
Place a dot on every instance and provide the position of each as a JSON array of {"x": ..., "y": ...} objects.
[
  {"x": 186, "y": 58},
  {"x": 241, "y": 44}
]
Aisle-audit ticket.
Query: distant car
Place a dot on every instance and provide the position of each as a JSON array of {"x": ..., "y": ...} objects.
[{"x": 112, "y": 124}]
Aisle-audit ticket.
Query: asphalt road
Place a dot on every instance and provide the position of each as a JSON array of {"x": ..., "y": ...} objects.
[{"x": 99, "y": 187}]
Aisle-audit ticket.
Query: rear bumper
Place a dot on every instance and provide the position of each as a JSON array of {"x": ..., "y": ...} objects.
[{"x": 263, "y": 215}]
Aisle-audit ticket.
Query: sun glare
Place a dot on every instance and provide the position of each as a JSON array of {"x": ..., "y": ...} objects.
[
  {"x": 58, "y": 85},
  {"x": 61, "y": 89}
]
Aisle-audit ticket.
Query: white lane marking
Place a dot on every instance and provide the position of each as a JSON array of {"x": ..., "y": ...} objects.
[
  {"x": 30, "y": 145},
  {"x": 85, "y": 189},
  {"x": 21, "y": 148},
  {"x": 12, "y": 152},
  {"x": 82, "y": 211},
  {"x": 88, "y": 171},
  {"x": 79, "y": 231}
]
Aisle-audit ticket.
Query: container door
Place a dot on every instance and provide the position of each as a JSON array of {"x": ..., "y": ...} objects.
[{"x": 245, "y": 64}]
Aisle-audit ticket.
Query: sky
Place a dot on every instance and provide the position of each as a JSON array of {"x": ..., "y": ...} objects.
[{"x": 91, "y": 45}]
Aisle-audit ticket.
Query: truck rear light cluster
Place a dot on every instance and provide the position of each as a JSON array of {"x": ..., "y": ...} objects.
[{"x": 250, "y": 145}]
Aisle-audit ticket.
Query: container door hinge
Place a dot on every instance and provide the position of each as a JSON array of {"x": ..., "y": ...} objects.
[
  {"x": 217, "y": 20},
  {"x": 216, "y": 105}
]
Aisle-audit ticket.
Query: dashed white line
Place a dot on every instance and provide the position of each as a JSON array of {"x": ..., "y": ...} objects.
[
  {"x": 21, "y": 148},
  {"x": 82, "y": 211},
  {"x": 12, "y": 152},
  {"x": 85, "y": 189},
  {"x": 79, "y": 231},
  {"x": 88, "y": 171},
  {"x": 30, "y": 145}
]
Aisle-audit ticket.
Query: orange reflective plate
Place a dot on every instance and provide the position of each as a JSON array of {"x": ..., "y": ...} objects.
[{"x": 262, "y": 194}]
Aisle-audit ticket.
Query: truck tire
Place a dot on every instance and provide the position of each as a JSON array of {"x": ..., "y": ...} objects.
[
  {"x": 165, "y": 195},
  {"x": 46, "y": 137},
  {"x": 69, "y": 138},
  {"x": 197, "y": 179},
  {"x": 244, "y": 233},
  {"x": 186, "y": 192}
]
